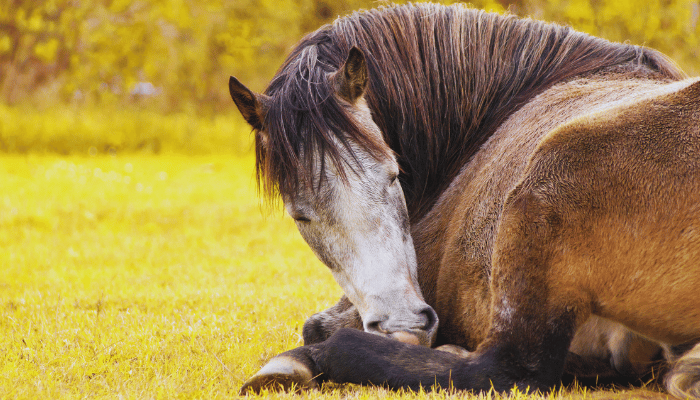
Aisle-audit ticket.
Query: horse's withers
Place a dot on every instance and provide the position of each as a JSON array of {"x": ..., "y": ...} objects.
[{"x": 354, "y": 215}]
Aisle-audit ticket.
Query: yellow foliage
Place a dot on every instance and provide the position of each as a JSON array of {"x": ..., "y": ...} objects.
[
  {"x": 5, "y": 44},
  {"x": 46, "y": 51},
  {"x": 189, "y": 48},
  {"x": 127, "y": 59}
]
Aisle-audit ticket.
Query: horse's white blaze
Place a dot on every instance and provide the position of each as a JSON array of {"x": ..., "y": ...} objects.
[
  {"x": 379, "y": 264},
  {"x": 358, "y": 226}
]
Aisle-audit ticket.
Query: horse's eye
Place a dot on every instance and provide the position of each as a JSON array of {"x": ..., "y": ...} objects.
[
  {"x": 302, "y": 219},
  {"x": 393, "y": 179}
]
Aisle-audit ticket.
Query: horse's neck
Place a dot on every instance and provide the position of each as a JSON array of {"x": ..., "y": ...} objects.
[
  {"x": 431, "y": 237},
  {"x": 461, "y": 224},
  {"x": 439, "y": 97}
]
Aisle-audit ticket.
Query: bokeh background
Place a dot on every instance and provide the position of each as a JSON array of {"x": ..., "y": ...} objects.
[{"x": 77, "y": 75}]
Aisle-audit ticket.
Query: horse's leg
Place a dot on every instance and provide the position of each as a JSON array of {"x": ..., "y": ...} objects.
[
  {"x": 534, "y": 317},
  {"x": 582, "y": 368},
  {"x": 456, "y": 350},
  {"x": 606, "y": 351},
  {"x": 322, "y": 325},
  {"x": 354, "y": 356},
  {"x": 533, "y": 324}
]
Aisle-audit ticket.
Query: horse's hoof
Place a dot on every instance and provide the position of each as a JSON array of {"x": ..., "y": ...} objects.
[
  {"x": 406, "y": 337},
  {"x": 454, "y": 349},
  {"x": 281, "y": 374}
]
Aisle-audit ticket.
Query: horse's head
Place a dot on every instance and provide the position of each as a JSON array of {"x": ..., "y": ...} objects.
[{"x": 319, "y": 148}]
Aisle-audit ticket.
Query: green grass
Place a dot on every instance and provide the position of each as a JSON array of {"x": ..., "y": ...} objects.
[{"x": 140, "y": 276}]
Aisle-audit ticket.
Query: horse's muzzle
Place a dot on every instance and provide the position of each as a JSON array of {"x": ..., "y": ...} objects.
[{"x": 421, "y": 331}]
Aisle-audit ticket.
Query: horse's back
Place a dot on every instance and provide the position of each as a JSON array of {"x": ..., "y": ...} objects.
[{"x": 622, "y": 186}]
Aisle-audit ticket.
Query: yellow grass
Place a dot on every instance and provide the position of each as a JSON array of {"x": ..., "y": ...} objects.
[
  {"x": 144, "y": 277},
  {"x": 113, "y": 129},
  {"x": 140, "y": 276}
]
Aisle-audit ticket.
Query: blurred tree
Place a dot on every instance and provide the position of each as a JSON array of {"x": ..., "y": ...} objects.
[{"x": 177, "y": 54}]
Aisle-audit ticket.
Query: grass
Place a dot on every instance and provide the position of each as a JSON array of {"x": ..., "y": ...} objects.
[
  {"x": 140, "y": 276},
  {"x": 111, "y": 129}
]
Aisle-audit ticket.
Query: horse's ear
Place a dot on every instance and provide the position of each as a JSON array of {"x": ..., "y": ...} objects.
[
  {"x": 253, "y": 106},
  {"x": 352, "y": 76}
]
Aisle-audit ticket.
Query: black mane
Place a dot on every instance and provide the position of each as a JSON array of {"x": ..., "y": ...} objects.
[{"x": 442, "y": 79}]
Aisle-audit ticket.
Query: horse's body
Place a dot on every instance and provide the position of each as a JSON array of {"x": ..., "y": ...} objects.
[
  {"x": 553, "y": 186},
  {"x": 454, "y": 241}
]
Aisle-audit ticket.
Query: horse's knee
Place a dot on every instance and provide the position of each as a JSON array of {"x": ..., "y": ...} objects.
[
  {"x": 633, "y": 355},
  {"x": 323, "y": 325},
  {"x": 529, "y": 340},
  {"x": 611, "y": 350},
  {"x": 315, "y": 330}
]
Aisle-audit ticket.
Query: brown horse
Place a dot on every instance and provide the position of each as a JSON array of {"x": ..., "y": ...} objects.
[{"x": 536, "y": 188}]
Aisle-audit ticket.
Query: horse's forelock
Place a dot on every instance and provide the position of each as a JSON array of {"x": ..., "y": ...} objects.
[{"x": 307, "y": 123}]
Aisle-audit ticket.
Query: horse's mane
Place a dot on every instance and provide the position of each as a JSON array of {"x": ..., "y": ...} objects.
[{"x": 441, "y": 81}]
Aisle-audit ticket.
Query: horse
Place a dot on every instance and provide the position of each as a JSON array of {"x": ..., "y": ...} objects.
[{"x": 523, "y": 195}]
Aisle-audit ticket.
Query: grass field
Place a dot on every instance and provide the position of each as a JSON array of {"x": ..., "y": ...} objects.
[
  {"x": 141, "y": 276},
  {"x": 144, "y": 276}
]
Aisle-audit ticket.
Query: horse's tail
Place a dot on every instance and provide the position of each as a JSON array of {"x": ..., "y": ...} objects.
[{"x": 683, "y": 379}]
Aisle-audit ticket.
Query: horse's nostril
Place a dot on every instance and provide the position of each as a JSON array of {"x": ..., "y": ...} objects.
[
  {"x": 431, "y": 318},
  {"x": 425, "y": 320},
  {"x": 374, "y": 325}
]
